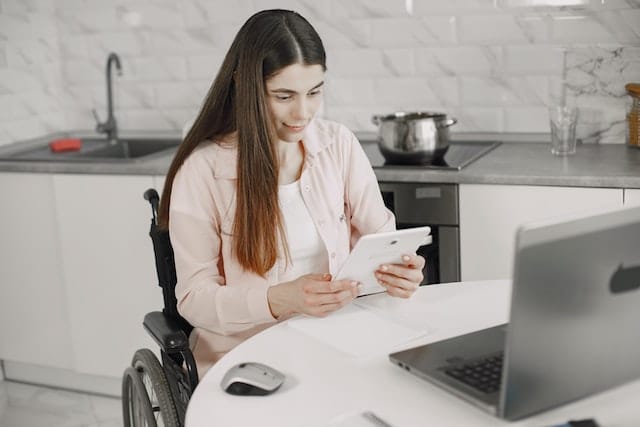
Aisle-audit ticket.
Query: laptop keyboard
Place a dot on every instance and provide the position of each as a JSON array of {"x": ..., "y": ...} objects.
[{"x": 482, "y": 374}]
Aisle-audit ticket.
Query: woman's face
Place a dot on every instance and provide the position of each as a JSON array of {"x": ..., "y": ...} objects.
[{"x": 294, "y": 95}]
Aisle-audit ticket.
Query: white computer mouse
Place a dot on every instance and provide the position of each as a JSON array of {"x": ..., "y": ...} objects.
[{"x": 252, "y": 379}]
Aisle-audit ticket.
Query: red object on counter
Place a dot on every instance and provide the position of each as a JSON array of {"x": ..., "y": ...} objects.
[{"x": 65, "y": 144}]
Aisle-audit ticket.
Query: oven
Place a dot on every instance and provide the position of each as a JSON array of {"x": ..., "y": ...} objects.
[{"x": 435, "y": 205}]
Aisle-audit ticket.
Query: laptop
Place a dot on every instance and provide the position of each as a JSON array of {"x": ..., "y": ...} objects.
[{"x": 573, "y": 328}]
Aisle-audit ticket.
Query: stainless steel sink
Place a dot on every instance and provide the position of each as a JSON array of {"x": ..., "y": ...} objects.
[
  {"x": 131, "y": 148},
  {"x": 97, "y": 150}
]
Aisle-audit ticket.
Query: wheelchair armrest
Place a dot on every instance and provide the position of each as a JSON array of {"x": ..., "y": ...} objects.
[{"x": 166, "y": 332}]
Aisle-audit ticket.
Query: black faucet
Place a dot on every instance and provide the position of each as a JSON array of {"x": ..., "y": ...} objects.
[{"x": 110, "y": 127}]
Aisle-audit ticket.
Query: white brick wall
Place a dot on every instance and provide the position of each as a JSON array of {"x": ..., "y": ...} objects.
[
  {"x": 30, "y": 71},
  {"x": 492, "y": 64}
]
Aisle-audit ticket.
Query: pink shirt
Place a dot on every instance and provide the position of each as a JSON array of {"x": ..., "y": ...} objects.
[{"x": 225, "y": 303}]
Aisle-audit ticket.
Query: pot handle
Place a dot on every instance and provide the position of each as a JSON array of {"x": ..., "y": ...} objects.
[
  {"x": 450, "y": 122},
  {"x": 376, "y": 120}
]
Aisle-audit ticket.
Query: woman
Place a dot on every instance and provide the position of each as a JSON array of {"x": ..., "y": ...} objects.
[{"x": 262, "y": 201}]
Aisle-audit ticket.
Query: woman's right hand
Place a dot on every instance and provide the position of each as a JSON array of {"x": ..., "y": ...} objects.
[{"x": 312, "y": 294}]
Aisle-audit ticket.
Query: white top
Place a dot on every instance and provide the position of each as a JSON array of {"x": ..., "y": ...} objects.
[
  {"x": 323, "y": 383},
  {"x": 308, "y": 254}
]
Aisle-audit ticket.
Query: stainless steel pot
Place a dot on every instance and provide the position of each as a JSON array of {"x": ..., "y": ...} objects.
[{"x": 413, "y": 137}]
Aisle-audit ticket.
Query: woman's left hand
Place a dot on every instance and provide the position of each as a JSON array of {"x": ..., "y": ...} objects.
[{"x": 402, "y": 280}]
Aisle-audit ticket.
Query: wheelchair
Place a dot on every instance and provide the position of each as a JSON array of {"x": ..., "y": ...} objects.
[{"x": 156, "y": 392}]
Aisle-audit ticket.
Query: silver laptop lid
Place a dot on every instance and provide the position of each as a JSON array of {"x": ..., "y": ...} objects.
[{"x": 574, "y": 324}]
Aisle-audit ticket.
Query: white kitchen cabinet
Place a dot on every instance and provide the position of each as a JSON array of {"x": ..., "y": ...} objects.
[
  {"x": 109, "y": 269},
  {"x": 491, "y": 214},
  {"x": 631, "y": 196},
  {"x": 34, "y": 326}
]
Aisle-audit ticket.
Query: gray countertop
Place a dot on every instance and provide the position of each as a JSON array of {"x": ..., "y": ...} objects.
[
  {"x": 512, "y": 163},
  {"x": 530, "y": 163},
  {"x": 155, "y": 164}
]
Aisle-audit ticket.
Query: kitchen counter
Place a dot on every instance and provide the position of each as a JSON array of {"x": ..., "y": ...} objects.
[
  {"x": 524, "y": 162},
  {"x": 530, "y": 163},
  {"x": 156, "y": 164}
]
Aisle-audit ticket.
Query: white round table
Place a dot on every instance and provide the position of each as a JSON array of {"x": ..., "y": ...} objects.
[{"x": 324, "y": 382}]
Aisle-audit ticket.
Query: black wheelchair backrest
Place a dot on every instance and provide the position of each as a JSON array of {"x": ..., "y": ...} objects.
[{"x": 165, "y": 262}]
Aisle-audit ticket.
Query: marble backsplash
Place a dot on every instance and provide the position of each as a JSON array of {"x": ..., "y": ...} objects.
[{"x": 495, "y": 65}]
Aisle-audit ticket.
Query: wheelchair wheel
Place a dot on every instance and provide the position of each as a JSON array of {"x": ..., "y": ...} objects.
[{"x": 146, "y": 396}]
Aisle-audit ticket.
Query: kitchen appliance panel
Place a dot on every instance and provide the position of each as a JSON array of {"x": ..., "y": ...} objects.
[
  {"x": 435, "y": 205},
  {"x": 449, "y": 254},
  {"x": 424, "y": 203}
]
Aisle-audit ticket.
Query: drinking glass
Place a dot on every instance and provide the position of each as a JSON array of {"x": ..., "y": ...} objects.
[{"x": 563, "y": 120}]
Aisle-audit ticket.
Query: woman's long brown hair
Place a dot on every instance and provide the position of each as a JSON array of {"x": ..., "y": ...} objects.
[{"x": 269, "y": 41}]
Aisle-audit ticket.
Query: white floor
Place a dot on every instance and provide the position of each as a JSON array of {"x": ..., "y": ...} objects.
[{"x": 23, "y": 405}]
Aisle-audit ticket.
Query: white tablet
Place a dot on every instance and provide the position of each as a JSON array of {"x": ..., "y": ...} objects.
[{"x": 372, "y": 250}]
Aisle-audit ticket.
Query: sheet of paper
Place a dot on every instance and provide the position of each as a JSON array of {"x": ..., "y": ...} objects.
[
  {"x": 407, "y": 312},
  {"x": 357, "y": 331}
]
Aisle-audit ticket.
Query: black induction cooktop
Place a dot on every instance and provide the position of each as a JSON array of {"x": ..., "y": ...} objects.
[{"x": 459, "y": 155}]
